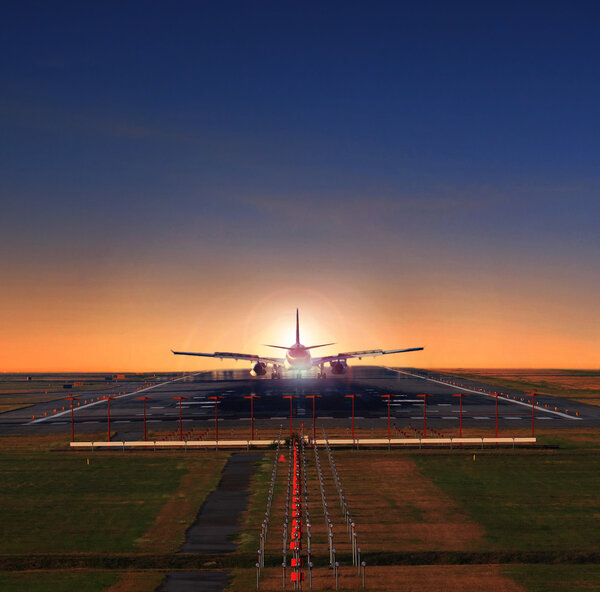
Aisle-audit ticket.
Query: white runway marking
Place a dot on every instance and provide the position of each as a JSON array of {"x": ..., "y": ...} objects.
[
  {"x": 451, "y": 417},
  {"x": 481, "y": 417},
  {"x": 468, "y": 390},
  {"x": 76, "y": 409}
]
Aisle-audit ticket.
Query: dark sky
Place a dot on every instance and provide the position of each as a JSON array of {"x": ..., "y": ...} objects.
[{"x": 405, "y": 153}]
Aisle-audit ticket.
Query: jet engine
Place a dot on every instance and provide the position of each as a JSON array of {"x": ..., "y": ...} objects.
[
  {"x": 338, "y": 367},
  {"x": 259, "y": 369}
]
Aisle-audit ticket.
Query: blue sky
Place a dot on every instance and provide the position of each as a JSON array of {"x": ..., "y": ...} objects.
[{"x": 388, "y": 140}]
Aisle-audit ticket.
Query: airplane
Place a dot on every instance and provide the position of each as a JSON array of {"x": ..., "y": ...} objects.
[{"x": 298, "y": 357}]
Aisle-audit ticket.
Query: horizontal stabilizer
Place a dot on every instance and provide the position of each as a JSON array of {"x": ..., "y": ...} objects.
[{"x": 322, "y": 345}]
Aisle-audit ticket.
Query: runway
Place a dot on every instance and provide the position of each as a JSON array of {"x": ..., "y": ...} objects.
[{"x": 333, "y": 406}]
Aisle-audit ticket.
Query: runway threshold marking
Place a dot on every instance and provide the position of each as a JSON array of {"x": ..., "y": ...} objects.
[
  {"x": 468, "y": 390},
  {"x": 75, "y": 409}
]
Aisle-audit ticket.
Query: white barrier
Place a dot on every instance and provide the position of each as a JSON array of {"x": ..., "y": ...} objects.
[{"x": 199, "y": 444}]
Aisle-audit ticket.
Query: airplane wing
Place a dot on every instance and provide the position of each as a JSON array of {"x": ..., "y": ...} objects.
[
  {"x": 366, "y": 353},
  {"x": 233, "y": 356}
]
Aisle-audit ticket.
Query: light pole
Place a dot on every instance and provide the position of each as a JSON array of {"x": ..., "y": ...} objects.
[
  {"x": 144, "y": 399},
  {"x": 216, "y": 400},
  {"x": 352, "y": 397},
  {"x": 460, "y": 395},
  {"x": 180, "y": 399},
  {"x": 496, "y": 395},
  {"x": 313, "y": 397},
  {"x": 424, "y": 414},
  {"x": 533, "y": 395},
  {"x": 72, "y": 398},
  {"x": 290, "y": 397},
  {"x": 252, "y": 397},
  {"x": 389, "y": 398},
  {"x": 108, "y": 413}
]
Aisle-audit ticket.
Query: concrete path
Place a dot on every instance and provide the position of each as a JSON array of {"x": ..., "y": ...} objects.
[
  {"x": 218, "y": 520},
  {"x": 217, "y": 523}
]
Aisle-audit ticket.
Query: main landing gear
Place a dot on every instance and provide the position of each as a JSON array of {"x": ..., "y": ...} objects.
[
  {"x": 276, "y": 373},
  {"x": 321, "y": 373}
]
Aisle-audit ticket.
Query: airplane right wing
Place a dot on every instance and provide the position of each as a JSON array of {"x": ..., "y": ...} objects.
[
  {"x": 233, "y": 356},
  {"x": 366, "y": 353}
]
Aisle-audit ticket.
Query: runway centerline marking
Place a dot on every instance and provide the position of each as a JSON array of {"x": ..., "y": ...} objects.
[{"x": 463, "y": 388}]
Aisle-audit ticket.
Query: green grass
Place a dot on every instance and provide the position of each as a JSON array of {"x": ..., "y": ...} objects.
[
  {"x": 555, "y": 578},
  {"x": 55, "y": 502},
  {"x": 34, "y": 581},
  {"x": 525, "y": 501}
]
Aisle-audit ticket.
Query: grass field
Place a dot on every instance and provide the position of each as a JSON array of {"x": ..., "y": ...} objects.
[
  {"x": 525, "y": 502},
  {"x": 555, "y": 578},
  {"x": 53, "y": 581},
  {"x": 507, "y": 516},
  {"x": 53, "y": 502},
  {"x": 80, "y": 581},
  {"x": 577, "y": 385}
]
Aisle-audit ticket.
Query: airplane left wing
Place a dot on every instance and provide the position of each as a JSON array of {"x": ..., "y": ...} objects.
[
  {"x": 366, "y": 353},
  {"x": 233, "y": 356}
]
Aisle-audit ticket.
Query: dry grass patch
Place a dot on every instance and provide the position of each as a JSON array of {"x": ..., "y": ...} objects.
[
  {"x": 137, "y": 581},
  {"x": 426, "y": 578},
  {"x": 396, "y": 508},
  {"x": 580, "y": 385},
  {"x": 34, "y": 443}
]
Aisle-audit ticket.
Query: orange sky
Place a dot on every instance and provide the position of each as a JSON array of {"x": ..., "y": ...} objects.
[{"x": 130, "y": 323}]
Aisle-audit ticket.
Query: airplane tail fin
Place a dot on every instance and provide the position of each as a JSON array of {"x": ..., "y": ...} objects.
[{"x": 297, "y": 328}]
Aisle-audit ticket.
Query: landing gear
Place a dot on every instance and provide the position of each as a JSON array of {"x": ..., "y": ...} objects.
[{"x": 321, "y": 373}]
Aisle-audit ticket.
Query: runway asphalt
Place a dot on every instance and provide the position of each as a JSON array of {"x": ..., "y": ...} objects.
[{"x": 333, "y": 407}]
